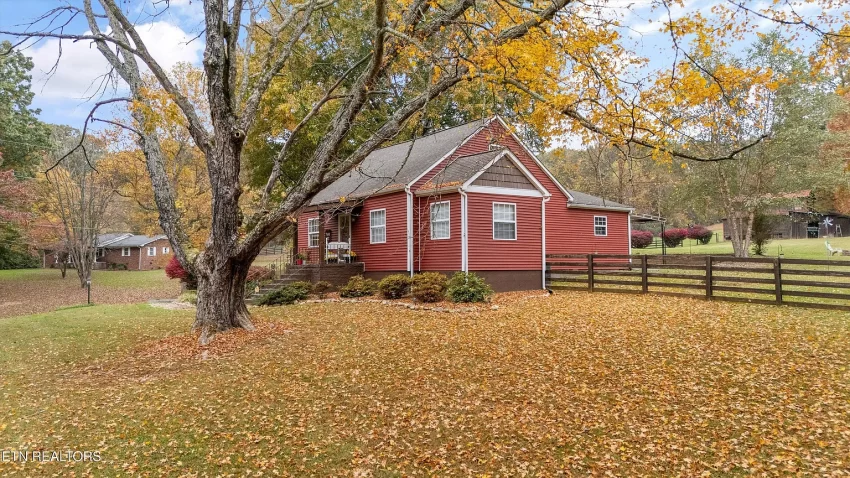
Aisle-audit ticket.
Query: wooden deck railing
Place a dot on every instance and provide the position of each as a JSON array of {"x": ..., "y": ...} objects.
[{"x": 798, "y": 282}]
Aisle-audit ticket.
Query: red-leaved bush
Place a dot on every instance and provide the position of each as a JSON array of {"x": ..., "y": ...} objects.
[
  {"x": 674, "y": 237},
  {"x": 641, "y": 239},
  {"x": 701, "y": 234},
  {"x": 173, "y": 270}
]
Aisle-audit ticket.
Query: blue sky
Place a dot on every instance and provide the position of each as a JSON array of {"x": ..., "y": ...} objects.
[{"x": 62, "y": 96}]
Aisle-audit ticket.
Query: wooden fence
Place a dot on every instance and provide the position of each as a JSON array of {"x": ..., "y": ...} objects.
[{"x": 798, "y": 282}]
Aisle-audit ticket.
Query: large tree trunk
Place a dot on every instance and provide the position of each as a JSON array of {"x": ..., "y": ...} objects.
[
  {"x": 221, "y": 273},
  {"x": 221, "y": 296}
]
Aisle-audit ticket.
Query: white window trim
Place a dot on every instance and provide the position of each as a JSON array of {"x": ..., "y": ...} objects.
[
  {"x": 373, "y": 227},
  {"x": 516, "y": 232},
  {"x": 165, "y": 250},
  {"x": 309, "y": 242},
  {"x": 447, "y": 220},
  {"x": 128, "y": 252},
  {"x": 151, "y": 249},
  {"x": 600, "y": 225}
]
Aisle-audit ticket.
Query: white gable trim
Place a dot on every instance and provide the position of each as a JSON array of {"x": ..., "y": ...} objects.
[
  {"x": 541, "y": 191},
  {"x": 532, "y": 155},
  {"x": 505, "y": 191},
  {"x": 445, "y": 157}
]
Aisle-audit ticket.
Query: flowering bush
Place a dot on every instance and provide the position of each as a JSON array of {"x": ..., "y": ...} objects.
[
  {"x": 173, "y": 270},
  {"x": 674, "y": 237},
  {"x": 641, "y": 239},
  {"x": 700, "y": 234}
]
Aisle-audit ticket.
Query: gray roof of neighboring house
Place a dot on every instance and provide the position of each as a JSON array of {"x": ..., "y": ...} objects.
[
  {"x": 461, "y": 169},
  {"x": 582, "y": 199},
  {"x": 110, "y": 237},
  {"x": 386, "y": 169},
  {"x": 136, "y": 240}
]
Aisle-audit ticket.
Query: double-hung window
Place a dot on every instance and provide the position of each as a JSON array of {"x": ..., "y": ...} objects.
[
  {"x": 125, "y": 252},
  {"x": 313, "y": 232},
  {"x": 166, "y": 250},
  {"x": 440, "y": 223},
  {"x": 504, "y": 221},
  {"x": 378, "y": 226},
  {"x": 600, "y": 225},
  {"x": 151, "y": 251}
]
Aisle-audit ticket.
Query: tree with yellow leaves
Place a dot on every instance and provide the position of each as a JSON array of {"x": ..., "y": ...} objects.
[{"x": 184, "y": 163}]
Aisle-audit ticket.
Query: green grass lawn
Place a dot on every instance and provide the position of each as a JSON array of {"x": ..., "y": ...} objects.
[
  {"x": 791, "y": 248},
  {"x": 577, "y": 384}
]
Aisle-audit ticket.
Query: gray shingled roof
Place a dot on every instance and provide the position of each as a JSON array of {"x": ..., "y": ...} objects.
[
  {"x": 386, "y": 169},
  {"x": 461, "y": 169},
  {"x": 137, "y": 240},
  {"x": 105, "y": 239},
  {"x": 582, "y": 199}
]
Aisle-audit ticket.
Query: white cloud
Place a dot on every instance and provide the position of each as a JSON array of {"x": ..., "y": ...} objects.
[
  {"x": 655, "y": 25},
  {"x": 81, "y": 64}
]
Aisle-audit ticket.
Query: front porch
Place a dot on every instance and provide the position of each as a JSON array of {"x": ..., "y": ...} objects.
[{"x": 328, "y": 239}]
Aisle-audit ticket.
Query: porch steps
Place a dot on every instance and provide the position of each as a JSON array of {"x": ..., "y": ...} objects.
[{"x": 336, "y": 274}]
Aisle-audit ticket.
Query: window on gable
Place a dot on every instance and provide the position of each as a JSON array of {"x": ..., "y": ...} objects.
[
  {"x": 151, "y": 251},
  {"x": 600, "y": 225},
  {"x": 125, "y": 252},
  {"x": 440, "y": 220},
  {"x": 378, "y": 226},
  {"x": 313, "y": 232},
  {"x": 166, "y": 250},
  {"x": 504, "y": 221}
]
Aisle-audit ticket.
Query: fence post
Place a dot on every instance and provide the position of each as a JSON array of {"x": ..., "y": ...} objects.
[
  {"x": 777, "y": 279},
  {"x": 590, "y": 272},
  {"x": 709, "y": 281},
  {"x": 644, "y": 273}
]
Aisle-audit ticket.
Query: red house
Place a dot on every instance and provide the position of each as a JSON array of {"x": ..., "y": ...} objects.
[{"x": 468, "y": 198}]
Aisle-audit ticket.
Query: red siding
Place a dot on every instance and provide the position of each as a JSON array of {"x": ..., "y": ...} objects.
[
  {"x": 572, "y": 233},
  {"x": 440, "y": 254},
  {"x": 331, "y": 224},
  {"x": 391, "y": 255},
  {"x": 568, "y": 230},
  {"x": 488, "y": 254}
]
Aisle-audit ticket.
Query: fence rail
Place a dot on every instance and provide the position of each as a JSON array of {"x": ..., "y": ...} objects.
[{"x": 796, "y": 282}]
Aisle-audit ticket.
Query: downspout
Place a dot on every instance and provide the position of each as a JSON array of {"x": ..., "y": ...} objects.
[
  {"x": 543, "y": 236},
  {"x": 409, "y": 229},
  {"x": 464, "y": 232},
  {"x": 630, "y": 236},
  {"x": 140, "y": 257}
]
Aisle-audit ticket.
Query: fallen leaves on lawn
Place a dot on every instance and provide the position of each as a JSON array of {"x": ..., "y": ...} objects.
[
  {"x": 575, "y": 384},
  {"x": 32, "y": 291}
]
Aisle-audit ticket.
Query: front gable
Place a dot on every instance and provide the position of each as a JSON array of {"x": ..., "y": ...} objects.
[
  {"x": 496, "y": 134},
  {"x": 504, "y": 174}
]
